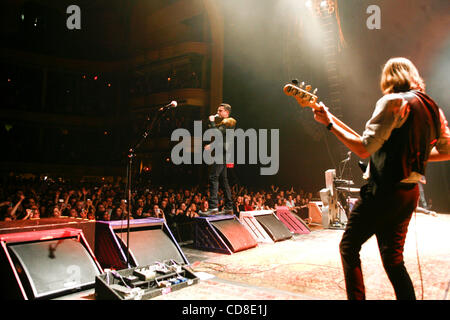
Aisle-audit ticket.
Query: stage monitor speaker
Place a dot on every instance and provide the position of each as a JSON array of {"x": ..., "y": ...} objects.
[
  {"x": 294, "y": 223},
  {"x": 265, "y": 226},
  {"x": 150, "y": 241},
  {"x": 258, "y": 232},
  {"x": 47, "y": 264},
  {"x": 222, "y": 233}
]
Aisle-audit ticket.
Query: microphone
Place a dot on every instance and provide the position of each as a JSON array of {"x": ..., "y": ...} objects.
[{"x": 173, "y": 104}]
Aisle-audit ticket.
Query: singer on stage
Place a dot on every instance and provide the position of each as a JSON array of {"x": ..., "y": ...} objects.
[
  {"x": 407, "y": 130},
  {"x": 218, "y": 171}
]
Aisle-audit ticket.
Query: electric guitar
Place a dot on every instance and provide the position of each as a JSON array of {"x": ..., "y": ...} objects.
[
  {"x": 305, "y": 98},
  {"x": 302, "y": 94}
]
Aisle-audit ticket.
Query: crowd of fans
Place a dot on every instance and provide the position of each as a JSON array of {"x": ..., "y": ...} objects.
[{"x": 23, "y": 199}]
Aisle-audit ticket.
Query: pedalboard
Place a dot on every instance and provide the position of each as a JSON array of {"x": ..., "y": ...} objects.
[{"x": 143, "y": 282}]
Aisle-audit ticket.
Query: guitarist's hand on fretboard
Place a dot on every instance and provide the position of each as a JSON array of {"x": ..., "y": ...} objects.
[{"x": 321, "y": 114}]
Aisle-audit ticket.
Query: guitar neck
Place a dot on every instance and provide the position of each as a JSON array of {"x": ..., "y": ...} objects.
[{"x": 307, "y": 99}]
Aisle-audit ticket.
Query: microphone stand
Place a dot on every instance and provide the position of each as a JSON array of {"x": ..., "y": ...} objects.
[
  {"x": 342, "y": 171},
  {"x": 341, "y": 176},
  {"x": 131, "y": 155}
]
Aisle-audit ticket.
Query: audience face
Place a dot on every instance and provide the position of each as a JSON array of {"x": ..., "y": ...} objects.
[
  {"x": 118, "y": 213},
  {"x": 139, "y": 211},
  {"x": 83, "y": 214},
  {"x": 56, "y": 212},
  {"x": 106, "y": 216},
  {"x": 73, "y": 213},
  {"x": 34, "y": 212},
  {"x": 205, "y": 206}
]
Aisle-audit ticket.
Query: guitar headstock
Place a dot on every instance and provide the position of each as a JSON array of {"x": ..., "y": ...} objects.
[{"x": 301, "y": 93}]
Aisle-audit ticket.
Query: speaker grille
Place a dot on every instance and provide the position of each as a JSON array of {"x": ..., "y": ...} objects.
[
  {"x": 274, "y": 227},
  {"x": 54, "y": 266},
  {"x": 148, "y": 246},
  {"x": 235, "y": 235}
]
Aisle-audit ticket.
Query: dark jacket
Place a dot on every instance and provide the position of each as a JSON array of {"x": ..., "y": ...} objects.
[{"x": 408, "y": 147}]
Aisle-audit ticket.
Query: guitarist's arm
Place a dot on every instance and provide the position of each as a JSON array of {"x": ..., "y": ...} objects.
[
  {"x": 441, "y": 152},
  {"x": 391, "y": 111},
  {"x": 343, "y": 132}
]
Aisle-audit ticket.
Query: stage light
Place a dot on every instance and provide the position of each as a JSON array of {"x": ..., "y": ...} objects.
[
  {"x": 323, "y": 4},
  {"x": 308, "y": 4},
  {"x": 95, "y": 78}
]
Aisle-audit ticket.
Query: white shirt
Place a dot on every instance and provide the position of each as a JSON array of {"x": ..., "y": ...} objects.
[{"x": 391, "y": 112}]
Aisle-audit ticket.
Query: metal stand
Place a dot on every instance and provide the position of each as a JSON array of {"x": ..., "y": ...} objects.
[
  {"x": 131, "y": 155},
  {"x": 339, "y": 223}
]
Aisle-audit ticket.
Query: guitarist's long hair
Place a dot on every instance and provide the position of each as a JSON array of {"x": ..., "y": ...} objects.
[{"x": 400, "y": 75}]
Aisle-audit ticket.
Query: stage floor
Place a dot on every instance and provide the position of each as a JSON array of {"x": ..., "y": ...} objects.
[{"x": 308, "y": 267}]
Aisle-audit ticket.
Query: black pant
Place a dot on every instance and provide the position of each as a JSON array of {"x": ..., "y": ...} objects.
[
  {"x": 385, "y": 214},
  {"x": 216, "y": 172}
]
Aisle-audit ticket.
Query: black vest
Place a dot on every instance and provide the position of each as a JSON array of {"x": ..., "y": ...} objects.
[{"x": 409, "y": 146}]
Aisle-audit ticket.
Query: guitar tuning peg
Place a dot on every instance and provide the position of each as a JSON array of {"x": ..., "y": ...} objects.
[
  {"x": 315, "y": 91},
  {"x": 294, "y": 81},
  {"x": 302, "y": 84},
  {"x": 308, "y": 87}
]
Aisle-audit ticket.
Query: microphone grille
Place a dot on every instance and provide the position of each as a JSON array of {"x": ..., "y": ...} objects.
[{"x": 174, "y": 103}]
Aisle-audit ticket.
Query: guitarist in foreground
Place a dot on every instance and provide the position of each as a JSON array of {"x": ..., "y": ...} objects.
[{"x": 407, "y": 129}]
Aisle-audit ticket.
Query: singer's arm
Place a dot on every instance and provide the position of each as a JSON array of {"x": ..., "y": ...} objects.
[{"x": 212, "y": 124}]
